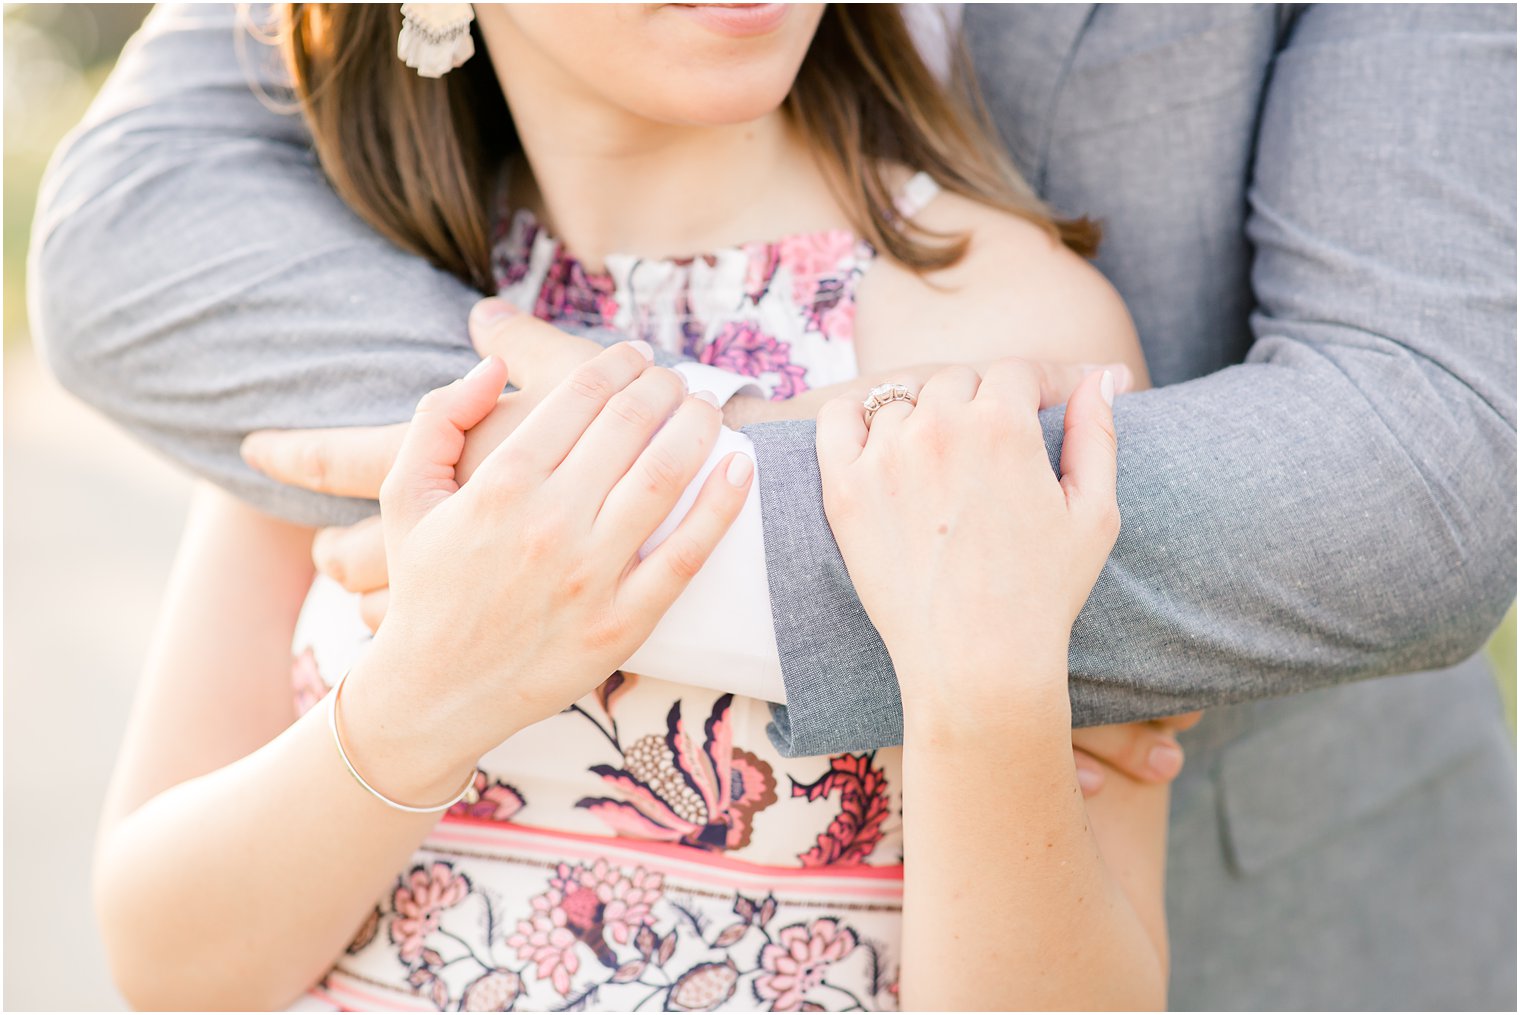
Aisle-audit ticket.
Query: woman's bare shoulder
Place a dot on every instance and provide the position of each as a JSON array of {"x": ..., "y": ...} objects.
[{"x": 1017, "y": 292}]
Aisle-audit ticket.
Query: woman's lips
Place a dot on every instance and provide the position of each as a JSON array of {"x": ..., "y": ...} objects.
[{"x": 736, "y": 20}]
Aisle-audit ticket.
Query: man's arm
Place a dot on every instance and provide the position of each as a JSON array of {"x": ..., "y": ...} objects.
[
  {"x": 1340, "y": 506},
  {"x": 194, "y": 277}
]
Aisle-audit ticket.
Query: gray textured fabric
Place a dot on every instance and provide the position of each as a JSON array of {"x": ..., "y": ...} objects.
[{"x": 1311, "y": 216}]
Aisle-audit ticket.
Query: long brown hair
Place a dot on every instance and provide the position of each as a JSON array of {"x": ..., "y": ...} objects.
[{"x": 417, "y": 157}]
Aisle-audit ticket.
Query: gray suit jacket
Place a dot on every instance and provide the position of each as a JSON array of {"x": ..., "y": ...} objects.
[{"x": 1311, "y": 215}]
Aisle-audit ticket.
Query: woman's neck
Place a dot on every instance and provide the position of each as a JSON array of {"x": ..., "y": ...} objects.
[{"x": 607, "y": 181}]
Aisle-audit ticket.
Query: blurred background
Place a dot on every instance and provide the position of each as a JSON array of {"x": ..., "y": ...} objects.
[{"x": 91, "y": 523}]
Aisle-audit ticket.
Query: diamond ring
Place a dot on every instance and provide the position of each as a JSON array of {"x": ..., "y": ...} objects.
[{"x": 882, "y": 395}]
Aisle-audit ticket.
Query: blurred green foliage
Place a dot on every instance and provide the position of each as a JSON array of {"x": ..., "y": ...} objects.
[{"x": 56, "y": 56}]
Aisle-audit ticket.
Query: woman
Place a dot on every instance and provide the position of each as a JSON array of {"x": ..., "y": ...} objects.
[{"x": 644, "y": 135}]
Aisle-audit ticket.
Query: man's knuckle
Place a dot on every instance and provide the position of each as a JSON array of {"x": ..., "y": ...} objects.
[{"x": 312, "y": 464}]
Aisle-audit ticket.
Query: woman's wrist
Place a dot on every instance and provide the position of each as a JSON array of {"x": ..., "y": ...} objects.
[
  {"x": 947, "y": 693},
  {"x": 403, "y": 737}
]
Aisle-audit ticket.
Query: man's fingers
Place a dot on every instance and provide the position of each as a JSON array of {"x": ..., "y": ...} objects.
[
  {"x": 1089, "y": 453},
  {"x": 424, "y": 470},
  {"x": 343, "y": 461},
  {"x": 537, "y": 354},
  {"x": 372, "y": 607},
  {"x": 660, "y": 577},
  {"x": 1142, "y": 751},
  {"x": 1179, "y": 723},
  {"x": 1061, "y": 379},
  {"x": 1090, "y": 772},
  {"x": 352, "y": 555}
]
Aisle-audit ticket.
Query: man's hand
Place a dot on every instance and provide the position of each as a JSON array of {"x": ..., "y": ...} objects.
[
  {"x": 1143, "y": 751},
  {"x": 353, "y": 461}
]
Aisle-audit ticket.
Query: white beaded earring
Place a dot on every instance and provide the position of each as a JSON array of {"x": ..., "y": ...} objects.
[{"x": 435, "y": 38}]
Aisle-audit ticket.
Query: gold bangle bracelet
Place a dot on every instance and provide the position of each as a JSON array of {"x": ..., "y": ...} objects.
[{"x": 332, "y": 724}]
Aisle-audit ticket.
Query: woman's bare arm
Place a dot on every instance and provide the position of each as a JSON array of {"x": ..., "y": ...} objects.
[
  {"x": 233, "y": 845},
  {"x": 1020, "y": 894}
]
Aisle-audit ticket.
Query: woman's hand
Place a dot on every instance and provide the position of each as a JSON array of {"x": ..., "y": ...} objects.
[
  {"x": 515, "y": 594},
  {"x": 1057, "y": 382},
  {"x": 968, "y": 554}
]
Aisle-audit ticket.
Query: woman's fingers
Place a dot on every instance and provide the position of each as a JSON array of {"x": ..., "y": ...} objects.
[
  {"x": 343, "y": 461},
  {"x": 1016, "y": 381},
  {"x": 352, "y": 555},
  {"x": 619, "y": 436},
  {"x": 654, "y": 484},
  {"x": 424, "y": 471},
  {"x": 952, "y": 385},
  {"x": 658, "y": 579},
  {"x": 541, "y": 442},
  {"x": 1089, "y": 453},
  {"x": 841, "y": 434}
]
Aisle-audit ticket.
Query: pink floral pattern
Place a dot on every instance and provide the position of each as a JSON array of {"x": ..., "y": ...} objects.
[
  {"x": 758, "y": 310},
  {"x": 532, "y": 894},
  {"x": 740, "y": 347},
  {"x": 489, "y": 799},
  {"x": 679, "y": 792},
  {"x": 863, "y": 809},
  {"x": 306, "y": 682},
  {"x": 582, "y": 905},
  {"x": 418, "y": 902},
  {"x": 799, "y": 960}
]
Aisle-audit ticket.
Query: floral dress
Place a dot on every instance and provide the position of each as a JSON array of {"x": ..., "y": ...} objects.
[{"x": 648, "y": 848}]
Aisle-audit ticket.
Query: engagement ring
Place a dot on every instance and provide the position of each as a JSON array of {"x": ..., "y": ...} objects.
[{"x": 883, "y": 394}]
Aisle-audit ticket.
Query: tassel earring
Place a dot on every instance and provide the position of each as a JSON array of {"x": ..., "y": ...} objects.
[{"x": 435, "y": 38}]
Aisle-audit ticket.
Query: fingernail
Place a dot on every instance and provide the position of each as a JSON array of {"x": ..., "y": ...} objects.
[
  {"x": 644, "y": 348},
  {"x": 1124, "y": 377},
  {"x": 1089, "y": 780},
  {"x": 479, "y": 368},
  {"x": 1106, "y": 387},
  {"x": 738, "y": 471},
  {"x": 491, "y": 309},
  {"x": 706, "y": 396},
  {"x": 1165, "y": 760}
]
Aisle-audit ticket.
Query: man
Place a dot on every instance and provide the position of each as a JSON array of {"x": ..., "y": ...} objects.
[{"x": 1310, "y": 213}]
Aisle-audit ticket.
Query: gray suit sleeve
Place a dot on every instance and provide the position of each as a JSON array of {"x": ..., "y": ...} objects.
[
  {"x": 194, "y": 277},
  {"x": 1339, "y": 506}
]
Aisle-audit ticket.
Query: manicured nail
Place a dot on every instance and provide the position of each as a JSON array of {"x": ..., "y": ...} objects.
[
  {"x": 1089, "y": 780},
  {"x": 492, "y": 309},
  {"x": 738, "y": 471},
  {"x": 706, "y": 396},
  {"x": 1124, "y": 377},
  {"x": 480, "y": 368},
  {"x": 1165, "y": 760},
  {"x": 1106, "y": 387},
  {"x": 644, "y": 348}
]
